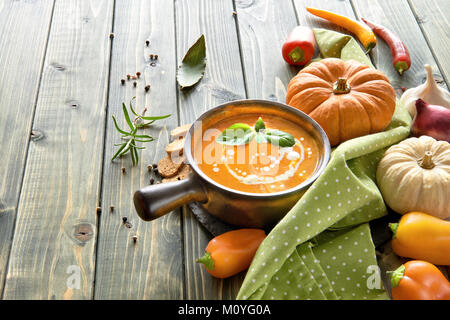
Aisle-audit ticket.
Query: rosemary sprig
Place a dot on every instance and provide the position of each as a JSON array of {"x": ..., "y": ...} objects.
[{"x": 140, "y": 121}]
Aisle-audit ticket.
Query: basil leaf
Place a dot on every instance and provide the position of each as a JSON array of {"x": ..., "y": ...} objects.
[
  {"x": 236, "y": 134},
  {"x": 280, "y": 138},
  {"x": 260, "y": 125},
  {"x": 260, "y": 138}
]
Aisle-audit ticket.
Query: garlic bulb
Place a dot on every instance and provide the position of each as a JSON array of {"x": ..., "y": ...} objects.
[{"x": 429, "y": 91}]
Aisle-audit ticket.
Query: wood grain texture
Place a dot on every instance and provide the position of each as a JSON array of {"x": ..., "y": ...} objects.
[
  {"x": 263, "y": 28},
  {"x": 151, "y": 268},
  {"x": 223, "y": 81},
  {"x": 433, "y": 19},
  {"x": 398, "y": 17},
  {"x": 56, "y": 81},
  {"x": 52, "y": 255},
  {"x": 24, "y": 31}
]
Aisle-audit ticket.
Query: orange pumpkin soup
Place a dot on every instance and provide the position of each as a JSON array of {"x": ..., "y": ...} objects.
[{"x": 257, "y": 153}]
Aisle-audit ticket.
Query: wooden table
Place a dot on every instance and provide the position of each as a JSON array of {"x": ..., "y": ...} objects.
[{"x": 61, "y": 65}]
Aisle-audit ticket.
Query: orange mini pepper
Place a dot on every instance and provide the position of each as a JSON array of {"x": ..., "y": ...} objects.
[
  {"x": 423, "y": 237},
  {"x": 363, "y": 33},
  {"x": 419, "y": 280},
  {"x": 231, "y": 252}
]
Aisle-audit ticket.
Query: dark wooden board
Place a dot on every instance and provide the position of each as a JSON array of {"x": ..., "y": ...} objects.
[
  {"x": 60, "y": 80},
  {"x": 223, "y": 81},
  {"x": 21, "y": 65},
  {"x": 263, "y": 28},
  {"x": 53, "y": 250},
  {"x": 432, "y": 17},
  {"x": 151, "y": 268},
  {"x": 398, "y": 17}
]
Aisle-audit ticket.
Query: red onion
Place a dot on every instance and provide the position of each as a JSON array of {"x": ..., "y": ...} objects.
[{"x": 431, "y": 120}]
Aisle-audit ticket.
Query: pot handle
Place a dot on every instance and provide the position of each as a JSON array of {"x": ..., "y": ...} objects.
[{"x": 154, "y": 201}]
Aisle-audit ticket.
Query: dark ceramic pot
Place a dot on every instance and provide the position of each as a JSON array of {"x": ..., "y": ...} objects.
[{"x": 241, "y": 209}]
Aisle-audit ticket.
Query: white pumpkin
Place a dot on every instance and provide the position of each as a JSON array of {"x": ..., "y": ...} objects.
[{"x": 414, "y": 175}]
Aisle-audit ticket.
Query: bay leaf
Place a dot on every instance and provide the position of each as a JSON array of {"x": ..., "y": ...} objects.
[{"x": 193, "y": 65}]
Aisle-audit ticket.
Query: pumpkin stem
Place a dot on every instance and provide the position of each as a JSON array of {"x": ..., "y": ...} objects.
[
  {"x": 341, "y": 86},
  {"x": 427, "y": 161}
]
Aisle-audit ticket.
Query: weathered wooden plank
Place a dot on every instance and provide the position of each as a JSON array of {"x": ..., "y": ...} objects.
[
  {"x": 223, "y": 81},
  {"x": 263, "y": 28},
  {"x": 52, "y": 255},
  {"x": 432, "y": 17},
  {"x": 151, "y": 268},
  {"x": 24, "y": 31},
  {"x": 398, "y": 17}
]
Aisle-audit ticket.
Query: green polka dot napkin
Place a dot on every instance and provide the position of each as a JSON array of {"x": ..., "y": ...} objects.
[
  {"x": 334, "y": 44},
  {"x": 322, "y": 249}
]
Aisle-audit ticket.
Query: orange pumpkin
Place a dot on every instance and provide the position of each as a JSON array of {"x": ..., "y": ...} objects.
[{"x": 347, "y": 98}]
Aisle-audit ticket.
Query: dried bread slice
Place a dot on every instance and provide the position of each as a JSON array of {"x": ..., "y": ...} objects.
[
  {"x": 180, "y": 131},
  {"x": 178, "y": 159},
  {"x": 168, "y": 168},
  {"x": 181, "y": 175},
  {"x": 175, "y": 148}
]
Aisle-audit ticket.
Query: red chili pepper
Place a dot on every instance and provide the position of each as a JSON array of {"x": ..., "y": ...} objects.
[
  {"x": 400, "y": 55},
  {"x": 300, "y": 46}
]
